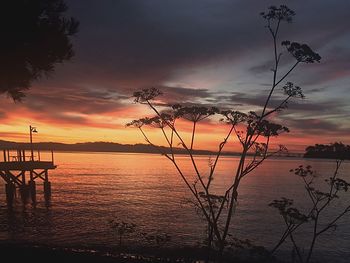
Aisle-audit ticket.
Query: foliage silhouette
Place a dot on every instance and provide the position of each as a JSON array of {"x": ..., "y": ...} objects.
[
  {"x": 254, "y": 131},
  {"x": 294, "y": 219},
  {"x": 35, "y": 37},
  {"x": 335, "y": 150}
]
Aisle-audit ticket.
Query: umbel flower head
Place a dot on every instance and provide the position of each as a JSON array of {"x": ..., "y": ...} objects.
[
  {"x": 301, "y": 52},
  {"x": 282, "y": 13}
]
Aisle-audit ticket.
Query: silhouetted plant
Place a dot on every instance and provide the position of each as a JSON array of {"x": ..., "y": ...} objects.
[
  {"x": 294, "y": 219},
  {"x": 122, "y": 229},
  {"x": 254, "y": 131},
  {"x": 35, "y": 36}
]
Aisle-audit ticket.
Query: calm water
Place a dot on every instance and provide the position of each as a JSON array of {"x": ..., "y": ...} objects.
[{"x": 89, "y": 189}]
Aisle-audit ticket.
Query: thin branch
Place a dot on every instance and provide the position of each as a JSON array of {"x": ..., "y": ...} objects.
[
  {"x": 153, "y": 145},
  {"x": 221, "y": 146},
  {"x": 332, "y": 223},
  {"x": 239, "y": 137},
  {"x": 288, "y": 72},
  {"x": 278, "y": 107},
  {"x": 193, "y": 134}
]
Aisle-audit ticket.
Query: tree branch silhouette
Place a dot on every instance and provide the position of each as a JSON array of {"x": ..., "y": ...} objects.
[{"x": 36, "y": 36}]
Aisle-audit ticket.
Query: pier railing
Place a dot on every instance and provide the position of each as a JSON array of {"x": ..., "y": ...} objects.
[{"x": 25, "y": 155}]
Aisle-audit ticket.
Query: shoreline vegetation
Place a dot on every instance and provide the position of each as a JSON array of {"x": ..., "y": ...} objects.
[
  {"x": 335, "y": 150},
  {"x": 110, "y": 147},
  {"x": 18, "y": 252}
]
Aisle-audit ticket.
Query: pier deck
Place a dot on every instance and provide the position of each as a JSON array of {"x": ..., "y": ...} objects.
[
  {"x": 15, "y": 166},
  {"x": 27, "y": 165}
]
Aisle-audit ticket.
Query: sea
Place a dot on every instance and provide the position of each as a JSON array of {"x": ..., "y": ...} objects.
[{"x": 91, "y": 189}]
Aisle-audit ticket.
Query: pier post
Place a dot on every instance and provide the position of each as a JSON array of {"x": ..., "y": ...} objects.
[
  {"x": 47, "y": 189},
  {"x": 32, "y": 189},
  {"x": 24, "y": 190},
  {"x": 47, "y": 186},
  {"x": 10, "y": 193}
]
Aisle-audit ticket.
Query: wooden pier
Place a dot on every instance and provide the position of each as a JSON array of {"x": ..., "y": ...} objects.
[{"x": 20, "y": 171}]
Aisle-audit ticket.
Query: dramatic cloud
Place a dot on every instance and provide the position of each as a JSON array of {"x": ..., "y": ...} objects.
[
  {"x": 202, "y": 51},
  {"x": 76, "y": 99},
  {"x": 125, "y": 45}
]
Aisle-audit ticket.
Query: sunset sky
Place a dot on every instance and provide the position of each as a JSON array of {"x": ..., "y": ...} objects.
[{"x": 209, "y": 52}]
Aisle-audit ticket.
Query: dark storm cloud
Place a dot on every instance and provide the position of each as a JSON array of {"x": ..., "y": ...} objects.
[
  {"x": 126, "y": 45},
  {"x": 174, "y": 95},
  {"x": 87, "y": 101},
  {"x": 314, "y": 126},
  {"x": 308, "y": 116},
  {"x": 305, "y": 105},
  {"x": 335, "y": 65},
  {"x": 75, "y": 99},
  {"x": 263, "y": 67},
  {"x": 148, "y": 40}
]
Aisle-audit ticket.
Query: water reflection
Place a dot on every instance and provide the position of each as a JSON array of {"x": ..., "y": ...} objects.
[
  {"x": 25, "y": 222},
  {"x": 90, "y": 189}
]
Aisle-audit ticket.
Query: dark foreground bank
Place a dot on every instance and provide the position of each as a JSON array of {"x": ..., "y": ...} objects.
[{"x": 41, "y": 253}]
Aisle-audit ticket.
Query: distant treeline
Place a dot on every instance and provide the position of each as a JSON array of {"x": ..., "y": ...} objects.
[
  {"x": 336, "y": 150},
  {"x": 329, "y": 151},
  {"x": 99, "y": 147}
]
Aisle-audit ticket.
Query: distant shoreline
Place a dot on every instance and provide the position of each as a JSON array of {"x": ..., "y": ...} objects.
[
  {"x": 100, "y": 147},
  {"x": 110, "y": 147}
]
